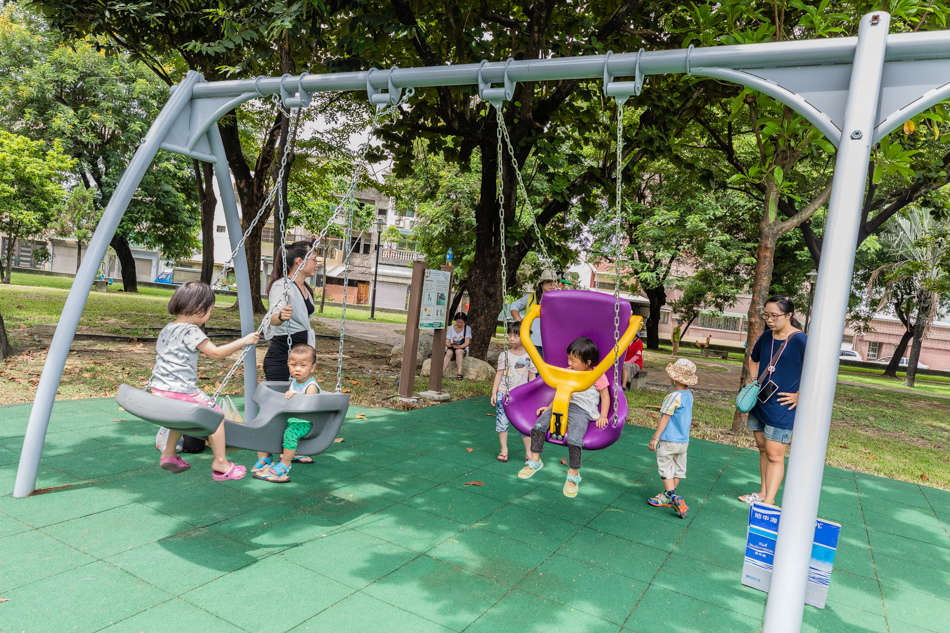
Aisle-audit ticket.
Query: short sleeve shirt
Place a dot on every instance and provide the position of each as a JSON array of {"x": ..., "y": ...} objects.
[
  {"x": 589, "y": 399},
  {"x": 521, "y": 305},
  {"x": 176, "y": 358},
  {"x": 679, "y": 406},
  {"x": 301, "y": 387},
  {"x": 519, "y": 368},
  {"x": 455, "y": 337},
  {"x": 787, "y": 375},
  {"x": 635, "y": 353}
]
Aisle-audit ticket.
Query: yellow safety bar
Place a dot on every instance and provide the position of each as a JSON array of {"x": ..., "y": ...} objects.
[{"x": 567, "y": 381}]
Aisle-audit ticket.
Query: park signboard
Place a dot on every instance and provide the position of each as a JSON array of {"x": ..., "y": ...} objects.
[{"x": 435, "y": 296}]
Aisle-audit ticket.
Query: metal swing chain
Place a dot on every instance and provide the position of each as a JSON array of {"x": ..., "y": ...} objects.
[
  {"x": 618, "y": 251},
  {"x": 346, "y": 282},
  {"x": 500, "y": 187},
  {"x": 378, "y": 116},
  {"x": 524, "y": 191}
]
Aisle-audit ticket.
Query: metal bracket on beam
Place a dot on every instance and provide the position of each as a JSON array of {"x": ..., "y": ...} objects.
[
  {"x": 302, "y": 98},
  {"x": 622, "y": 90},
  {"x": 495, "y": 96},
  {"x": 379, "y": 99}
]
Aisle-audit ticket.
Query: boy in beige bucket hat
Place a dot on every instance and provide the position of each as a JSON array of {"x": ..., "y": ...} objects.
[{"x": 672, "y": 436}]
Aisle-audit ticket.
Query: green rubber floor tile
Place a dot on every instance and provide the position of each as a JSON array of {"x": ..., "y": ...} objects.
[
  {"x": 726, "y": 504},
  {"x": 408, "y": 443},
  {"x": 92, "y": 464},
  {"x": 360, "y": 613},
  {"x": 174, "y": 614},
  {"x": 437, "y": 470},
  {"x": 206, "y": 504},
  {"x": 270, "y": 595},
  {"x": 702, "y": 473},
  {"x": 551, "y": 470},
  {"x": 910, "y": 523},
  {"x": 438, "y": 592},
  {"x": 665, "y": 610},
  {"x": 922, "y": 610},
  {"x": 62, "y": 443},
  {"x": 846, "y": 515},
  {"x": 841, "y": 618},
  {"x": 725, "y": 548},
  {"x": 713, "y": 451},
  {"x": 10, "y": 526},
  {"x": 718, "y": 585},
  {"x": 272, "y": 492},
  {"x": 328, "y": 471},
  {"x": 854, "y": 560},
  {"x": 187, "y": 560},
  {"x": 274, "y": 527},
  {"x": 495, "y": 486},
  {"x": 343, "y": 504},
  {"x": 633, "y": 465},
  {"x": 455, "y": 503},
  {"x": 913, "y": 575},
  {"x": 593, "y": 590},
  {"x": 901, "y": 492},
  {"x": 484, "y": 451},
  {"x": 549, "y": 498},
  {"x": 617, "y": 555},
  {"x": 350, "y": 557},
  {"x": 146, "y": 483},
  {"x": 8, "y": 456},
  {"x": 85, "y": 599},
  {"x": 491, "y": 555},
  {"x": 31, "y": 556},
  {"x": 98, "y": 535},
  {"x": 60, "y": 504},
  {"x": 402, "y": 525},
  {"x": 654, "y": 532},
  {"x": 527, "y": 613},
  {"x": 856, "y": 592},
  {"x": 376, "y": 455},
  {"x": 917, "y": 552},
  {"x": 939, "y": 499},
  {"x": 391, "y": 484},
  {"x": 529, "y": 526}
]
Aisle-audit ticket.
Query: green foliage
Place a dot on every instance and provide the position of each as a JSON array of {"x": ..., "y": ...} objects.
[{"x": 32, "y": 175}]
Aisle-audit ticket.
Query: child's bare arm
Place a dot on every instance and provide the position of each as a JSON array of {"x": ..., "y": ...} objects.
[
  {"x": 664, "y": 419},
  {"x": 312, "y": 388},
  {"x": 290, "y": 393},
  {"x": 542, "y": 410},
  {"x": 218, "y": 352},
  {"x": 495, "y": 385},
  {"x": 604, "y": 407}
]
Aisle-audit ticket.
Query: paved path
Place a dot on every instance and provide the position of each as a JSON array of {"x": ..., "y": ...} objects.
[{"x": 377, "y": 332}]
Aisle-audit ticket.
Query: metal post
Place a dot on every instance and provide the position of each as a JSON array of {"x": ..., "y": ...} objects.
[
  {"x": 242, "y": 277},
  {"x": 407, "y": 376},
  {"x": 82, "y": 284},
  {"x": 379, "y": 235},
  {"x": 806, "y": 464}
]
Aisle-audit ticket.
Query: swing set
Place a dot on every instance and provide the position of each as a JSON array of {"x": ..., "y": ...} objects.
[{"x": 854, "y": 90}]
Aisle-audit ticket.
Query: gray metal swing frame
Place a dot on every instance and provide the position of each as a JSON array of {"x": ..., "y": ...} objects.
[{"x": 855, "y": 90}]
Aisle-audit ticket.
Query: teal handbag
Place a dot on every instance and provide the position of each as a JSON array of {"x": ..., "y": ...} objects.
[{"x": 749, "y": 395}]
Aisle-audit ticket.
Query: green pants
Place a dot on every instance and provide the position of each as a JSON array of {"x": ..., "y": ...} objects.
[{"x": 296, "y": 429}]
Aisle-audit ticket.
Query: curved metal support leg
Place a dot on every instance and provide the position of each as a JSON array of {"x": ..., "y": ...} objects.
[
  {"x": 241, "y": 274},
  {"x": 79, "y": 293}
]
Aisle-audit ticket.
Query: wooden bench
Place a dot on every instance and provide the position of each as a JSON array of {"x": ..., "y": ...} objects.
[{"x": 715, "y": 353}]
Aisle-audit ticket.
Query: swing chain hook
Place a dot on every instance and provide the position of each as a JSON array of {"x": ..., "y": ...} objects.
[
  {"x": 495, "y": 96},
  {"x": 392, "y": 97},
  {"x": 622, "y": 90},
  {"x": 302, "y": 100}
]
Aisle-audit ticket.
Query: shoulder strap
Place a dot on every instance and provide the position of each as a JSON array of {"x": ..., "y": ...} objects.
[{"x": 777, "y": 354}]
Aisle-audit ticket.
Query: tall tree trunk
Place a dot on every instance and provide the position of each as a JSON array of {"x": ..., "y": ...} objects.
[
  {"x": 126, "y": 263},
  {"x": 5, "y": 349},
  {"x": 892, "y": 366},
  {"x": 78, "y": 255},
  {"x": 204, "y": 178},
  {"x": 925, "y": 304},
  {"x": 456, "y": 301},
  {"x": 686, "y": 329},
  {"x": 11, "y": 243},
  {"x": 657, "y": 297},
  {"x": 764, "y": 264}
]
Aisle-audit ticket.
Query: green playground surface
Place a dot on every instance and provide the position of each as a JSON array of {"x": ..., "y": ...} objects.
[{"x": 382, "y": 533}]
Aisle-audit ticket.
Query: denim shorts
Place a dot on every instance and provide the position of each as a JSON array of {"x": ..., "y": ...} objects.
[
  {"x": 771, "y": 433},
  {"x": 501, "y": 420}
]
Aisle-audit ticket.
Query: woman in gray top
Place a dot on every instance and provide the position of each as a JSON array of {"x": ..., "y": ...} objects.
[
  {"x": 547, "y": 283},
  {"x": 291, "y": 305}
]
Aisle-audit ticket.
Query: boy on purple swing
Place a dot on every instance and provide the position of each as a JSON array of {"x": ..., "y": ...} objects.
[{"x": 582, "y": 355}]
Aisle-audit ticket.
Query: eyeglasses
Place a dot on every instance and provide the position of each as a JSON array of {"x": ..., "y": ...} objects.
[{"x": 768, "y": 316}]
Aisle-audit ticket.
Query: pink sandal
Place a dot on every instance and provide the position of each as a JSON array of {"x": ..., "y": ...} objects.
[
  {"x": 234, "y": 472},
  {"x": 174, "y": 464}
]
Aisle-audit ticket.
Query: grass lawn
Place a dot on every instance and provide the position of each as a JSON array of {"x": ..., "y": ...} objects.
[{"x": 898, "y": 435}]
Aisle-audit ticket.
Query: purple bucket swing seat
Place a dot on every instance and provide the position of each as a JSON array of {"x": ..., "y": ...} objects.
[{"x": 567, "y": 315}]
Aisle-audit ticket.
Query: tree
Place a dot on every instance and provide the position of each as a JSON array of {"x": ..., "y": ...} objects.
[
  {"x": 97, "y": 106},
  {"x": 31, "y": 188},
  {"x": 78, "y": 219},
  {"x": 921, "y": 249},
  {"x": 544, "y": 118},
  {"x": 5, "y": 349}
]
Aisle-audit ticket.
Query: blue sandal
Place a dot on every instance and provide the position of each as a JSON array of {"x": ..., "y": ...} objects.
[
  {"x": 275, "y": 474},
  {"x": 262, "y": 464}
]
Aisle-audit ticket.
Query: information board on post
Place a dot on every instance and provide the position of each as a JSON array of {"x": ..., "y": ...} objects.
[
  {"x": 435, "y": 298},
  {"x": 760, "y": 553}
]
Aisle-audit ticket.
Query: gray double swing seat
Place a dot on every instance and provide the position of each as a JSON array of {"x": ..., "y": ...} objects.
[{"x": 264, "y": 432}]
